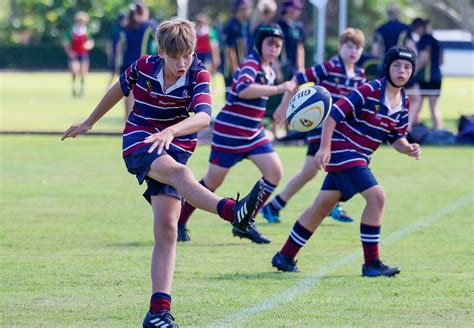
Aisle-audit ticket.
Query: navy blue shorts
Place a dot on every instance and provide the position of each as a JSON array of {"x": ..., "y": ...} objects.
[
  {"x": 227, "y": 160},
  {"x": 312, "y": 149},
  {"x": 138, "y": 163},
  {"x": 350, "y": 182}
]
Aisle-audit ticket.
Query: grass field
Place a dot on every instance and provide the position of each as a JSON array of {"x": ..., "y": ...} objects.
[
  {"x": 76, "y": 239},
  {"x": 43, "y": 101}
]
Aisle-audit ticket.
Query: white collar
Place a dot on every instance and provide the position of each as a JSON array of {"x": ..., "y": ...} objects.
[
  {"x": 179, "y": 83},
  {"x": 398, "y": 108}
]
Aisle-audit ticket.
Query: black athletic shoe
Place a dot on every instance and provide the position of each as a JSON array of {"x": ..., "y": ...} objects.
[
  {"x": 244, "y": 209},
  {"x": 253, "y": 234},
  {"x": 377, "y": 268},
  {"x": 162, "y": 319},
  {"x": 183, "y": 235},
  {"x": 284, "y": 263}
]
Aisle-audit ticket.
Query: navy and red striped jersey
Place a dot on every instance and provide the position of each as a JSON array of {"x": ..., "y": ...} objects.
[
  {"x": 238, "y": 126},
  {"x": 333, "y": 76},
  {"x": 156, "y": 109},
  {"x": 364, "y": 121}
]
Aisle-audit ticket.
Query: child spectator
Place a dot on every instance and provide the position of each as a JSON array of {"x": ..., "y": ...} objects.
[
  {"x": 207, "y": 45},
  {"x": 77, "y": 44}
]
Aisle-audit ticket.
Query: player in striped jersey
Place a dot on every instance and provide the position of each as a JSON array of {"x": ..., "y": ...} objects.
[
  {"x": 167, "y": 88},
  {"x": 238, "y": 131},
  {"x": 340, "y": 76},
  {"x": 372, "y": 114}
]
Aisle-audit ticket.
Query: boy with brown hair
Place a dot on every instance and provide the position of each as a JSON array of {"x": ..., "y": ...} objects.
[
  {"x": 340, "y": 76},
  {"x": 372, "y": 114},
  {"x": 158, "y": 139}
]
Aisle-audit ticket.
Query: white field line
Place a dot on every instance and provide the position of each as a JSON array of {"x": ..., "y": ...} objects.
[{"x": 307, "y": 283}]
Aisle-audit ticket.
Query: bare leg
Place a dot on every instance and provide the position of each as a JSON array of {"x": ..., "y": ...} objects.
[
  {"x": 74, "y": 67},
  {"x": 435, "y": 113},
  {"x": 166, "y": 170},
  {"x": 166, "y": 212},
  {"x": 84, "y": 69},
  {"x": 312, "y": 217},
  {"x": 373, "y": 211},
  {"x": 297, "y": 182},
  {"x": 269, "y": 165},
  {"x": 416, "y": 101},
  {"x": 215, "y": 176}
]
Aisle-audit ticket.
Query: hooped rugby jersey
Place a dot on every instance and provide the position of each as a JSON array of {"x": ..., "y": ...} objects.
[
  {"x": 156, "y": 109},
  {"x": 238, "y": 126},
  {"x": 333, "y": 76},
  {"x": 363, "y": 123}
]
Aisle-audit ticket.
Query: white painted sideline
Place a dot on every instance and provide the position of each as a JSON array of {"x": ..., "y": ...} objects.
[{"x": 307, "y": 283}]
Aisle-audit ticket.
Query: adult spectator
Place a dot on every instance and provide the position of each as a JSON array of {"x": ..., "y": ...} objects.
[
  {"x": 392, "y": 33},
  {"x": 292, "y": 56},
  {"x": 138, "y": 39},
  {"x": 264, "y": 13},
  {"x": 235, "y": 37},
  {"x": 428, "y": 75}
]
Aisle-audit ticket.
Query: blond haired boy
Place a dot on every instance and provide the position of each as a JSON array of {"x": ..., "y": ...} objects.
[{"x": 158, "y": 139}]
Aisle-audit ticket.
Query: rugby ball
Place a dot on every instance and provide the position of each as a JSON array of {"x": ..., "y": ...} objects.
[{"x": 309, "y": 108}]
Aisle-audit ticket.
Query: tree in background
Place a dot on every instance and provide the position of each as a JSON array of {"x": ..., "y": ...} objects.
[{"x": 43, "y": 21}]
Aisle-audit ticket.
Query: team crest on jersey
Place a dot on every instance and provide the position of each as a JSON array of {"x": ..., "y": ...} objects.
[
  {"x": 185, "y": 93},
  {"x": 148, "y": 87},
  {"x": 337, "y": 80},
  {"x": 377, "y": 111}
]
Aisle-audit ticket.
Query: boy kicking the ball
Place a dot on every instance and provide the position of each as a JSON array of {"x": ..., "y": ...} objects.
[
  {"x": 372, "y": 114},
  {"x": 339, "y": 76},
  {"x": 238, "y": 132},
  {"x": 158, "y": 139}
]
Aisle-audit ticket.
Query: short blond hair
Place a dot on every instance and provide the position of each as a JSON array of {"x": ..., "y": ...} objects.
[
  {"x": 353, "y": 35},
  {"x": 81, "y": 15},
  {"x": 176, "y": 37}
]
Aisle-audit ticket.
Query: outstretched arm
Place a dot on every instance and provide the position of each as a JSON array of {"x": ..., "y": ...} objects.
[
  {"x": 403, "y": 146},
  {"x": 108, "y": 101},
  {"x": 280, "y": 113},
  {"x": 255, "y": 90}
]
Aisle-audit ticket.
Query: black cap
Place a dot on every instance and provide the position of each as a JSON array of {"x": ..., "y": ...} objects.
[
  {"x": 398, "y": 52},
  {"x": 265, "y": 31}
]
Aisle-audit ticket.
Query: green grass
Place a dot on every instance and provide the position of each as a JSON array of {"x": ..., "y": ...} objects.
[
  {"x": 76, "y": 239},
  {"x": 43, "y": 101}
]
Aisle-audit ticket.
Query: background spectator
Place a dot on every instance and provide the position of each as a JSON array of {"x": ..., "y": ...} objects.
[
  {"x": 77, "y": 43},
  {"x": 235, "y": 37}
]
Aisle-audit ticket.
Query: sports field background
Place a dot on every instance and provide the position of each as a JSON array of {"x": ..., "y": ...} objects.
[
  {"x": 43, "y": 101},
  {"x": 76, "y": 234}
]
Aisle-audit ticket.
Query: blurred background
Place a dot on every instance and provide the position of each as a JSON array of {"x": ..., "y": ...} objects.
[
  {"x": 32, "y": 34},
  {"x": 30, "y": 27}
]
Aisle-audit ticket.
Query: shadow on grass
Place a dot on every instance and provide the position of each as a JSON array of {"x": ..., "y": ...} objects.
[
  {"x": 148, "y": 243},
  {"x": 275, "y": 275},
  {"x": 197, "y": 244}
]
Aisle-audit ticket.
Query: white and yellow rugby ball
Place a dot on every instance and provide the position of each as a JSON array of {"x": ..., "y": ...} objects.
[{"x": 309, "y": 108}]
